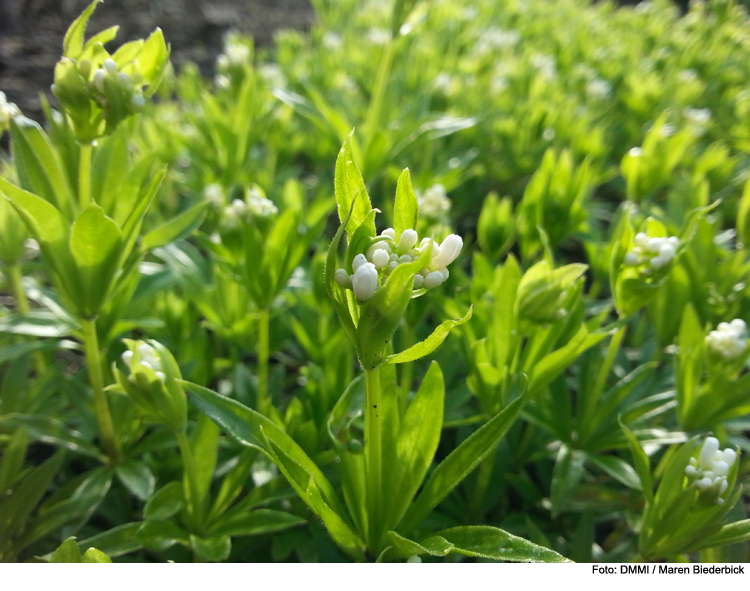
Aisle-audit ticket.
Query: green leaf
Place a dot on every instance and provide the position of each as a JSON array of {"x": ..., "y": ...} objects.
[
  {"x": 416, "y": 445},
  {"x": 402, "y": 547},
  {"x": 177, "y": 228},
  {"x": 212, "y": 549},
  {"x": 52, "y": 431},
  {"x": 431, "y": 343},
  {"x": 729, "y": 534},
  {"x": 350, "y": 189},
  {"x": 460, "y": 463},
  {"x": 251, "y": 428},
  {"x": 92, "y": 555},
  {"x": 96, "y": 245},
  {"x": 618, "y": 469},
  {"x": 484, "y": 541},
  {"x": 642, "y": 464},
  {"x": 253, "y": 523},
  {"x": 116, "y": 541},
  {"x": 136, "y": 476},
  {"x": 566, "y": 475},
  {"x": 67, "y": 552},
  {"x": 14, "y": 455},
  {"x": 405, "y": 210},
  {"x": 339, "y": 531},
  {"x": 40, "y": 168},
  {"x": 204, "y": 444},
  {"x": 165, "y": 503},
  {"x": 160, "y": 535},
  {"x": 73, "y": 42}
]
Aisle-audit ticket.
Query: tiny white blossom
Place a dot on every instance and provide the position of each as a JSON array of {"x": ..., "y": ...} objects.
[
  {"x": 407, "y": 240},
  {"x": 110, "y": 66},
  {"x": 342, "y": 278},
  {"x": 259, "y": 205},
  {"x": 448, "y": 251},
  {"x": 358, "y": 261},
  {"x": 365, "y": 281},
  {"x": 380, "y": 258},
  {"x": 729, "y": 340}
]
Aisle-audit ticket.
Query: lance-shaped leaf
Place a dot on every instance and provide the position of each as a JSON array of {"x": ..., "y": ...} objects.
[
  {"x": 483, "y": 541},
  {"x": 339, "y": 530},
  {"x": 416, "y": 445},
  {"x": 254, "y": 430},
  {"x": 96, "y": 245},
  {"x": 424, "y": 348},
  {"x": 335, "y": 291},
  {"x": 177, "y": 228},
  {"x": 405, "y": 210},
  {"x": 73, "y": 42},
  {"x": 402, "y": 547},
  {"x": 460, "y": 463},
  {"x": 642, "y": 464},
  {"x": 349, "y": 186}
]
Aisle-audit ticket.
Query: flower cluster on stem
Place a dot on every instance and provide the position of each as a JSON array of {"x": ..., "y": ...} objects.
[
  {"x": 709, "y": 472},
  {"x": 149, "y": 358},
  {"x": 371, "y": 269},
  {"x": 653, "y": 253},
  {"x": 729, "y": 340}
]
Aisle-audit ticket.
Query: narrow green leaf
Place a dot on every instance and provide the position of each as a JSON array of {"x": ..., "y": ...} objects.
[
  {"x": 405, "y": 210},
  {"x": 116, "y": 541},
  {"x": 136, "y": 476},
  {"x": 213, "y": 548},
  {"x": 92, "y": 555},
  {"x": 177, "y": 228},
  {"x": 165, "y": 503},
  {"x": 253, "y": 523},
  {"x": 729, "y": 534},
  {"x": 618, "y": 469},
  {"x": 427, "y": 346},
  {"x": 349, "y": 187},
  {"x": 67, "y": 552},
  {"x": 160, "y": 535},
  {"x": 460, "y": 463},
  {"x": 405, "y": 548},
  {"x": 566, "y": 475},
  {"x": 340, "y": 531},
  {"x": 73, "y": 42},
  {"x": 14, "y": 455},
  {"x": 642, "y": 464},
  {"x": 416, "y": 445},
  {"x": 96, "y": 246},
  {"x": 490, "y": 542}
]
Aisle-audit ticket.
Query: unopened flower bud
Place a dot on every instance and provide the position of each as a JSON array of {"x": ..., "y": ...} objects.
[
  {"x": 449, "y": 250},
  {"x": 358, "y": 261},
  {"x": 137, "y": 102},
  {"x": 418, "y": 281},
  {"x": 343, "y": 278},
  {"x": 110, "y": 66},
  {"x": 380, "y": 258},
  {"x": 408, "y": 240},
  {"x": 390, "y": 233},
  {"x": 365, "y": 281},
  {"x": 99, "y": 80},
  {"x": 433, "y": 279}
]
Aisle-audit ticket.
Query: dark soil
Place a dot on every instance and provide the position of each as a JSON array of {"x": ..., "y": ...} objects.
[{"x": 31, "y": 33}]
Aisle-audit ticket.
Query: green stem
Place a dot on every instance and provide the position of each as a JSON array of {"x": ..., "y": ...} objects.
[
  {"x": 15, "y": 276},
  {"x": 84, "y": 175},
  {"x": 378, "y": 92},
  {"x": 373, "y": 456},
  {"x": 263, "y": 322},
  {"x": 190, "y": 483},
  {"x": 101, "y": 406}
]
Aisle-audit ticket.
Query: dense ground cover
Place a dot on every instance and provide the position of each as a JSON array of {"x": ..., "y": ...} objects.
[{"x": 214, "y": 348}]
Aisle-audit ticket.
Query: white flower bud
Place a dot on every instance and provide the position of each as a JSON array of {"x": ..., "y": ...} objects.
[
  {"x": 404, "y": 259},
  {"x": 127, "y": 357},
  {"x": 408, "y": 240},
  {"x": 365, "y": 281},
  {"x": 391, "y": 267},
  {"x": 124, "y": 80},
  {"x": 147, "y": 364},
  {"x": 720, "y": 468},
  {"x": 444, "y": 273},
  {"x": 137, "y": 102},
  {"x": 110, "y": 66},
  {"x": 641, "y": 240},
  {"x": 631, "y": 259},
  {"x": 393, "y": 258},
  {"x": 691, "y": 471},
  {"x": 729, "y": 456},
  {"x": 390, "y": 233},
  {"x": 666, "y": 252},
  {"x": 433, "y": 279},
  {"x": 414, "y": 560},
  {"x": 377, "y": 246},
  {"x": 657, "y": 263},
  {"x": 738, "y": 326},
  {"x": 342, "y": 278},
  {"x": 99, "y": 80},
  {"x": 722, "y": 489},
  {"x": 418, "y": 281},
  {"x": 703, "y": 484},
  {"x": 654, "y": 244},
  {"x": 449, "y": 250},
  {"x": 161, "y": 375},
  {"x": 358, "y": 261},
  {"x": 709, "y": 449},
  {"x": 380, "y": 258},
  {"x": 674, "y": 241}
]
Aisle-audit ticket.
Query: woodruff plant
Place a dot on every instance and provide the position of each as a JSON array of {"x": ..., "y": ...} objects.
[{"x": 380, "y": 479}]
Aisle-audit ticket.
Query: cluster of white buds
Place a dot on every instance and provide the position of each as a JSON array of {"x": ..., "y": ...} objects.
[
  {"x": 149, "y": 358},
  {"x": 7, "y": 112},
  {"x": 434, "y": 203},
  {"x": 214, "y": 194},
  {"x": 657, "y": 252},
  {"x": 128, "y": 84},
  {"x": 710, "y": 470},
  {"x": 235, "y": 54},
  {"x": 383, "y": 257},
  {"x": 729, "y": 339},
  {"x": 258, "y": 205}
]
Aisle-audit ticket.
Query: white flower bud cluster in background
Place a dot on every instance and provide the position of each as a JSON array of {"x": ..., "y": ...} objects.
[
  {"x": 254, "y": 205},
  {"x": 729, "y": 339},
  {"x": 710, "y": 470},
  {"x": 434, "y": 203},
  {"x": 383, "y": 257},
  {"x": 7, "y": 112},
  {"x": 149, "y": 358},
  {"x": 109, "y": 71},
  {"x": 214, "y": 194},
  {"x": 656, "y": 252}
]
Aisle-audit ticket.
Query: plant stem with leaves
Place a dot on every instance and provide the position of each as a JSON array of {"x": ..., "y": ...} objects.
[{"x": 373, "y": 454}]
